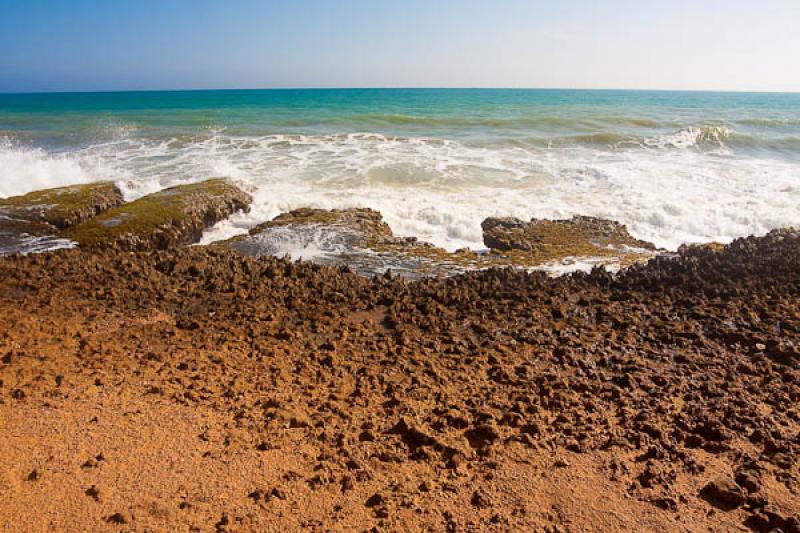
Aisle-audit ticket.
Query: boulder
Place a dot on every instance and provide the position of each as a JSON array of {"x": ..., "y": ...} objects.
[{"x": 169, "y": 218}]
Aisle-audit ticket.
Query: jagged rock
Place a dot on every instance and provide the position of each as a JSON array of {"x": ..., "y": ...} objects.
[{"x": 166, "y": 219}]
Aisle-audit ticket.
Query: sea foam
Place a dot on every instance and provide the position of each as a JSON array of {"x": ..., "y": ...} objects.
[{"x": 666, "y": 191}]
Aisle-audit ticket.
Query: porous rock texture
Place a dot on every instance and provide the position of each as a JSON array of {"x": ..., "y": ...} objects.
[
  {"x": 577, "y": 236},
  {"x": 171, "y": 217},
  {"x": 202, "y": 390}
]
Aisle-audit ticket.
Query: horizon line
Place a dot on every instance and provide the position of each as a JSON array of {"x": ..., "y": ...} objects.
[{"x": 390, "y": 88}]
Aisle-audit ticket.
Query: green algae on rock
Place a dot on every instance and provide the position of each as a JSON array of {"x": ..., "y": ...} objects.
[
  {"x": 172, "y": 217},
  {"x": 31, "y": 223},
  {"x": 541, "y": 241},
  {"x": 361, "y": 240},
  {"x": 65, "y": 206},
  {"x": 356, "y": 238}
]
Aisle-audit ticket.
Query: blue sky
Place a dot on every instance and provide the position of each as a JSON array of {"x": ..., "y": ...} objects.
[{"x": 171, "y": 44}]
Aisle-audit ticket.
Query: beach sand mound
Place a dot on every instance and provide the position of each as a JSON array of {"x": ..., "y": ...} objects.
[{"x": 201, "y": 389}]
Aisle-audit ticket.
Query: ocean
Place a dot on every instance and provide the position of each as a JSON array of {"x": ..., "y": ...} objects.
[{"x": 676, "y": 167}]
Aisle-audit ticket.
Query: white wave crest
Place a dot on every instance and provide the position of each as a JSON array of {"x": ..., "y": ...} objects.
[
  {"x": 441, "y": 190},
  {"x": 23, "y": 170},
  {"x": 714, "y": 136}
]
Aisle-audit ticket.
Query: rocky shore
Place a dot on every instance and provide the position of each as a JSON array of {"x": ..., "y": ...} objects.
[{"x": 220, "y": 388}]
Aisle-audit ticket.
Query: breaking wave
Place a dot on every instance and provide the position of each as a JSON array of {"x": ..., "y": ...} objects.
[{"x": 666, "y": 190}]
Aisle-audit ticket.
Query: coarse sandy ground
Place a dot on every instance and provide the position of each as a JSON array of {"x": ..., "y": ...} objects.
[{"x": 200, "y": 390}]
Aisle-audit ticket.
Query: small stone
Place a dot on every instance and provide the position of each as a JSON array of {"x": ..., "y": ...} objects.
[
  {"x": 480, "y": 499},
  {"x": 749, "y": 481},
  {"x": 723, "y": 492},
  {"x": 375, "y": 500},
  {"x": 118, "y": 518},
  {"x": 93, "y": 492}
]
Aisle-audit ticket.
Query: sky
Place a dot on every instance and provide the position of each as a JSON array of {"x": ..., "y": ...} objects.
[{"x": 90, "y": 45}]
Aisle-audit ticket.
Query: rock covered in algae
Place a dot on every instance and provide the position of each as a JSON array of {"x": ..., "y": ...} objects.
[
  {"x": 361, "y": 240},
  {"x": 32, "y": 222},
  {"x": 578, "y": 232},
  {"x": 542, "y": 241},
  {"x": 168, "y": 218},
  {"x": 357, "y": 238}
]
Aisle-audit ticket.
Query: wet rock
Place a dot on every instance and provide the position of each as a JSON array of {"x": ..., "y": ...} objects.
[
  {"x": 31, "y": 223},
  {"x": 169, "y": 218},
  {"x": 63, "y": 207},
  {"x": 356, "y": 238},
  {"x": 361, "y": 240},
  {"x": 507, "y": 233},
  {"x": 548, "y": 240}
]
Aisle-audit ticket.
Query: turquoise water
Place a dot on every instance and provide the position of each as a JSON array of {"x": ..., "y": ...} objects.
[
  {"x": 764, "y": 121},
  {"x": 674, "y": 166}
]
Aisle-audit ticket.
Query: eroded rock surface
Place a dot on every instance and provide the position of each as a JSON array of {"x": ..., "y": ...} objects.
[
  {"x": 356, "y": 238},
  {"x": 169, "y": 218},
  {"x": 543, "y": 240},
  {"x": 32, "y": 222},
  {"x": 361, "y": 240}
]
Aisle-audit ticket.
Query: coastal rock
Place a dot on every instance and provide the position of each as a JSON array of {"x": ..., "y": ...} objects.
[
  {"x": 31, "y": 223},
  {"x": 362, "y": 241},
  {"x": 459, "y": 399},
  {"x": 579, "y": 232},
  {"x": 332, "y": 230},
  {"x": 357, "y": 238},
  {"x": 172, "y": 217},
  {"x": 541, "y": 241},
  {"x": 64, "y": 206}
]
